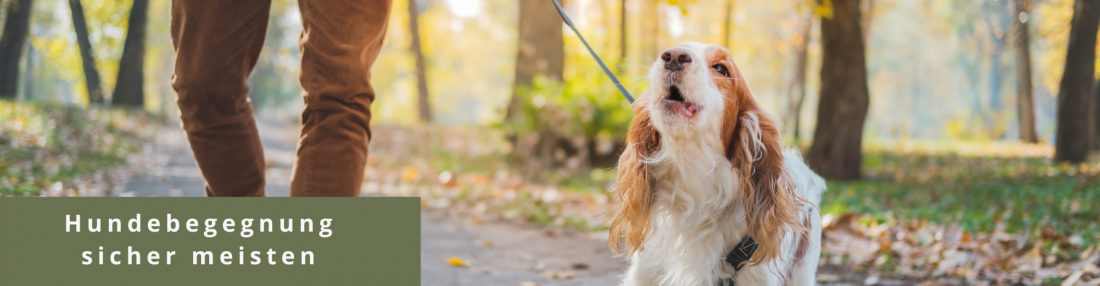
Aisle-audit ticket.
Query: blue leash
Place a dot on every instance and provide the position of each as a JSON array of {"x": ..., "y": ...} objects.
[{"x": 598, "y": 60}]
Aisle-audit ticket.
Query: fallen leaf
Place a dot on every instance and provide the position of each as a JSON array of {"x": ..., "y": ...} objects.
[
  {"x": 456, "y": 262},
  {"x": 409, "y": 174},
  {"x": 825, "y": 277},
  {"x": 871, "y": 280},
  {"x": 565, "y": 275},
  {"x": 1073, "y": 278}
]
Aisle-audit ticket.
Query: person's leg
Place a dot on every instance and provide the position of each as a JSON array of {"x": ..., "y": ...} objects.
[
  {"x": 217, "y": 44},
  {"x": 340, "y": 41}
]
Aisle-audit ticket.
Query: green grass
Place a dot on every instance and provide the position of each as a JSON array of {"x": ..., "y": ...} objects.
[
  {"x": 41, "y": 145},
  {"x": 1023, "y": 190}
]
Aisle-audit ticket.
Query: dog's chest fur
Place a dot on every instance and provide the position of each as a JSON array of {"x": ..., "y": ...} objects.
[{"x": 697, "y": 217}]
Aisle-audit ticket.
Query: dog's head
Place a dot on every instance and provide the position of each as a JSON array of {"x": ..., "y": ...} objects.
[{"x": 696, "y": 92}]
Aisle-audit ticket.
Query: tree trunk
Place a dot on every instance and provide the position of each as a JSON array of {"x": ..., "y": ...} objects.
[
  {"x": 32, "y": 61},
  {"x": 91, "y": 75},
  {"x": 16, "y": 26},
  {"x": 798, "y": 85},
  {"x": 424, "y": 106},
  {"x": 541, "y": 48},
  {"x": 622, "y": 36},
  {"x": 1075, "y": 91},
  {"x": 728, "y": 35},
  {"x": 1025, "y": 93},
  {"x": 130, "y": 86},
  {"x": 835, "y": 153},
  {"x": 1096, "y": 117}
]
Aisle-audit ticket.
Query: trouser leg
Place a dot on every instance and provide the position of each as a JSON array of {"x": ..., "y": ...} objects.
[
  {"x": 339, "y": 43},
  {"x": 217, "y": 44}
]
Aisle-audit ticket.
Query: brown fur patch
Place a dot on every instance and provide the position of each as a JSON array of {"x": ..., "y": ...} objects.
[
  {"x": 630, "y": 212},
  {"x": 804, "y": 241},
  {"x": 771, "y": 205},
  {"x": 803, "y": 245}
]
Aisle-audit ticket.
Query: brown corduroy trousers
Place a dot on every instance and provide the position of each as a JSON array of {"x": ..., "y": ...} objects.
[{"x": 217, "y": 45}]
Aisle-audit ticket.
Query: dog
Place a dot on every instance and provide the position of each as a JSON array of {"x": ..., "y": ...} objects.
[{"x": 704, "y": 172}]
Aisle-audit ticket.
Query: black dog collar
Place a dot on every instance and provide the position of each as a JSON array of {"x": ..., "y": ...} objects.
[{"x": 741, "y": 253}]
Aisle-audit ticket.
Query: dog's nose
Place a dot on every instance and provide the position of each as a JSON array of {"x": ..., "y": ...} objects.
[{"x": 676, "y": 58}]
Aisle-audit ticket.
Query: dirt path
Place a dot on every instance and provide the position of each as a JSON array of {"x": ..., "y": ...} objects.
[
  {"x": 518, "y": 254},
  {"x": 505, "y": 253},
  {"x": 176, "y": 174}
]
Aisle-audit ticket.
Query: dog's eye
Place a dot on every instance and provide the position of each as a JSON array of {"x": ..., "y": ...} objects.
[{"x": 720, "y": 68}]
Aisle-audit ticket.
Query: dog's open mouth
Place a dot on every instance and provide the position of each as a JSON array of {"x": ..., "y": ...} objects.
[
  {"x": 675, "y": 95},
  {"x": 677, "y": 104}
]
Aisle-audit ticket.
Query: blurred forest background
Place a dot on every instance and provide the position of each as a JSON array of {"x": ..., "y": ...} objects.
[
  {"x": 936, "y": 69},
  {"x": 961, "y": 128}
]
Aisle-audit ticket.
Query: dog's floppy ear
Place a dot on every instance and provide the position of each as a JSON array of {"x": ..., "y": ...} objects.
[
  {"x": 753, "y": 146},
  {"x": 634, "y": 184}
]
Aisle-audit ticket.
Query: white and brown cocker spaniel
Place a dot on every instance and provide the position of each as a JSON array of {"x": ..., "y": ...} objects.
[{"x": 706, "y": 193}]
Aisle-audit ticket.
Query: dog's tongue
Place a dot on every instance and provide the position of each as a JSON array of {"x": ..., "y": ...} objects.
[
  {"x": 689, "y": 109},
  {"x": 686, "y": 109}
]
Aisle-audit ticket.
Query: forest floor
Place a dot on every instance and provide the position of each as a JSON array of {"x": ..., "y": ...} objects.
[
  {"x": 925, "y": 213},
  {"x": 496, "y": 252},
  {"x": 934, "y": 213}
]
